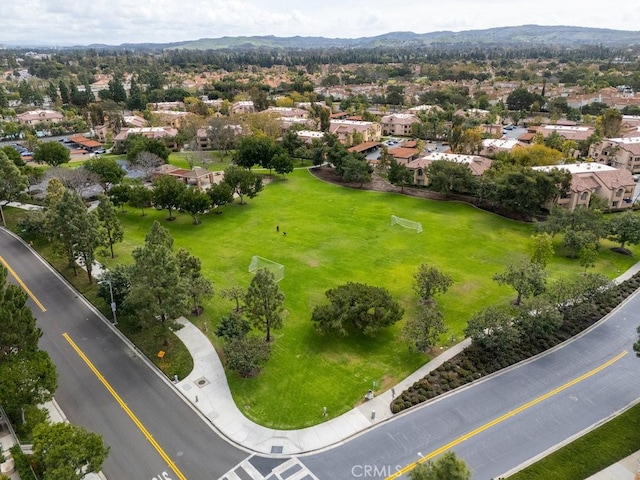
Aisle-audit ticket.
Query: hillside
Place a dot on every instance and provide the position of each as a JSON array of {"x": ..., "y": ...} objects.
[{"x": 525, "y": 35}]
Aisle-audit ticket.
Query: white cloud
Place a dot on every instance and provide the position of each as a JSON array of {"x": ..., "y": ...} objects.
[{"x": 56, "y": 22}]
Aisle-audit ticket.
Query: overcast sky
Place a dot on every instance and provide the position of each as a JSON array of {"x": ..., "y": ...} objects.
[{"x": 82, "y": 22}]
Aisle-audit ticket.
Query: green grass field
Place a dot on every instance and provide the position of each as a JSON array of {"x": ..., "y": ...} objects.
[
  {"x": 591, "y": 453},
  {"x": 335, "y": 235}
]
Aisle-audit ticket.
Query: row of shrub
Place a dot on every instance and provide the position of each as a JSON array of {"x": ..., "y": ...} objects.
[{"x": 475, "y": 361}]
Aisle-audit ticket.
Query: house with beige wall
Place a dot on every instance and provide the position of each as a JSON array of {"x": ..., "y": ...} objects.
[
  {"x": 398, "y": 124},
  {"x": 33, "y": 117},
  {"x": 478, "y": 165},
  {"x": 345, "y": 130},
  {"x": 618, "y": 153},
  {"x": 614, "y": 185}
]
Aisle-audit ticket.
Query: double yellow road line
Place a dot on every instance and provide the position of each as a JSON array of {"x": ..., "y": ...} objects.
[{"x": 504, "y": 417}]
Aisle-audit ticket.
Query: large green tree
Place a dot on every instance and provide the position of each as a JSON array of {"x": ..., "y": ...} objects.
[
  {"x": 18, "y": 330},
  {"x": 198, "y": 287},
  {"x": 109, "y": 222},
  {"x": 242, "y": 182},
  {"x": 422, "y": 330},
  {"x": 167, "y": 192},
  {"x": 255, "y": 150},
  {"x": 399, "y": 174},
  {"x": 140, "y": 197},
  {"x": 195, "y": 202},
  {"x": 107, "y": 170},
  {"x": 527, "y": 278},
  {"x": 623, "y": 228},
  {"x": 364, "y": 307},
  {"x": 67, "y": 452},
  {"x": 245, "y": 354},
  {"x": 264, "y": 302},
  {"x": 51, "y": 153},
  {"x": 429, "y": 281},
  {"x": 12, "y": 182},
  {"x": 26, "y": 378},
  {"x": 157, "y": 290},
  {"x": 448, "y": 177}
]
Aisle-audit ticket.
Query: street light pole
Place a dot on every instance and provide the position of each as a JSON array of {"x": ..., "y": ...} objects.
[{"x": 113, "y": 304}]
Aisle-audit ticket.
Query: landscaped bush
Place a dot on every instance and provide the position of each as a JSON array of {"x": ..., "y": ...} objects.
[{"x": 475, "y": 362}]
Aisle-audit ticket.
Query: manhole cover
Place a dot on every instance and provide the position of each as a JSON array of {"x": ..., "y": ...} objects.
[{"x": 201, "y": 382}]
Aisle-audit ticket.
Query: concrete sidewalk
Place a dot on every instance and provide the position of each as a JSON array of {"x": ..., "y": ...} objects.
[
  {"x": 206, "y": 387},
  {"x": 626, "y": 469}
]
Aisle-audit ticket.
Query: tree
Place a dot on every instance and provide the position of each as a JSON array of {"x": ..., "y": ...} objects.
[
  {"x": 140, "y": 197},
  {"x": 242, "y": 182},
  {"x": 195, "y": 203},
  {"x": 446, "y": 467},
  {"x": 623, "y": 228},
  {"x": 611, "y": 121},
  {"x": 220, "y": 195},
  {"x": 492, "y": 329},
  {"x": 107, "y": 169},
  {"x": 137, "y": 144},
  {"x": 282, "y": 163},
  {"x": 67, "y": 452},
  {"x": 522, "y": 99},
  {"x": 366, "y": 308},
  {"x": 245, "y": 355},
  {"x": 51, "y": 153},
  {"x": 429, "y": 281},
  {"x": 109, "y": 222},
  {"x": 119, "y": 195},
  {"x": 18, "y": 330},
  {"x": 528, "y": 279},
  {"x": 264, "y": 302},
  {"x": 399, "y": 174},
  {"x": 587, "y": 256},
  {"x": 447, "y": 177},
  {"x": 76, "y": 230},
  {"x": 422, "y": 331},
  {"x": 233, "y": 326},
  {"x": 541, "y": 248},
  {"x": 13, "y": 155},
  {"x": 254, "y": 149},
  {"x": 536, "y": 319},
  {"x": 146, "y": 163},
  {"x": 26, "y": 378},
  {"x": 356, "y": 170},
  {"x": 167, "y": 192},
  {"x": 470, "y": 142},
  {"x": 116, "y": 282},
  {"x": 157, "y": 290},
  {"x": 12, "y": 182},
  {"x": 236, "y": 294},
  {"x": 198, "y": 287}
]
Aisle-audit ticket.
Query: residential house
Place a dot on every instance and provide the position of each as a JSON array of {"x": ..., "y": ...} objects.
[
  {"x": 134, "y": 121},
  {"x": 398, "y": 124},
  {"x": 569, "y": 132},
  {"x": 243, "y": 107},
  {"x": 288, "y": 112},
  {"x": 478, "y": 165},
  {"x": 404, "y": 155},
  {"x": 203, "y": 135},
  {"x": 618, "y": 153},
  {"x": 492, "y": 146},
  {"x": 33, "y": 117},
  {"x": 307, "y": 136},
  {"x": 197, "y": 177},
  {"x": 165, "y": 106},
  {"x": 424, "y": 108},
  {"x": 168, "y": 134},
  {"x": 346, "y": 129},
  {"x": 614, "y": 185},
  {"x": 172, "y": 118}
]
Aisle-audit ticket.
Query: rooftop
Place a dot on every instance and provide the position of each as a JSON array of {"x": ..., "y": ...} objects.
[{"x": 574, "y": 168}]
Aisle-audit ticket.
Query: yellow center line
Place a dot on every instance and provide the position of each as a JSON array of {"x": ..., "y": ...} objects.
[
  {"x": 22, "y": 284},
  {"x": 504, "y": 417},
  {"x": 127, "y": 410}
]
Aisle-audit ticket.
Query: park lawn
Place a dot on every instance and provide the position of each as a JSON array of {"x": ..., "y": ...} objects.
[
  {"x": 219, "y": 163},
  {"x": 335, "y": 235},
  {"x": 590, "y": 453}
]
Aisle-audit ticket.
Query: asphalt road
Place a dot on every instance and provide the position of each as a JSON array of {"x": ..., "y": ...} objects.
[
  {"x": 497, "y": 424},
  {"x": 152, "y": 432}
]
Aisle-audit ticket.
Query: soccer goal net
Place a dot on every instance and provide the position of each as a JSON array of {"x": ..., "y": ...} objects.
[
  {"x": 258, "y": 263},
  {"x": 403, "y": 222}
]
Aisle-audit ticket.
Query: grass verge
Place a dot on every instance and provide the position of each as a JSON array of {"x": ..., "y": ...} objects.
[{"x": 595, "y": 451}]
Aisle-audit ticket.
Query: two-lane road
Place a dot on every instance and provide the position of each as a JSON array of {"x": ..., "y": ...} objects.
[
  {"x": 106, "y": 387},
  {"x": 497, "y": 424}
]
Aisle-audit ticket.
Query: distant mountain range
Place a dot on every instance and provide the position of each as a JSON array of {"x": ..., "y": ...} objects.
[{"x": 525, "y": 35}]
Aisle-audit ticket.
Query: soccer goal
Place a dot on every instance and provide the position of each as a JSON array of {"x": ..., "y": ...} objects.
[
  {"x": 258, "y": 263},
  {"x": 403, "y": 222}
]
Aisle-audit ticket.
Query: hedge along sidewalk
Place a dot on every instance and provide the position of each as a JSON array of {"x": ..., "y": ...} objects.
[
  {"x": 426, "y": 389},
  {"x": 207, "y": 389}
]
